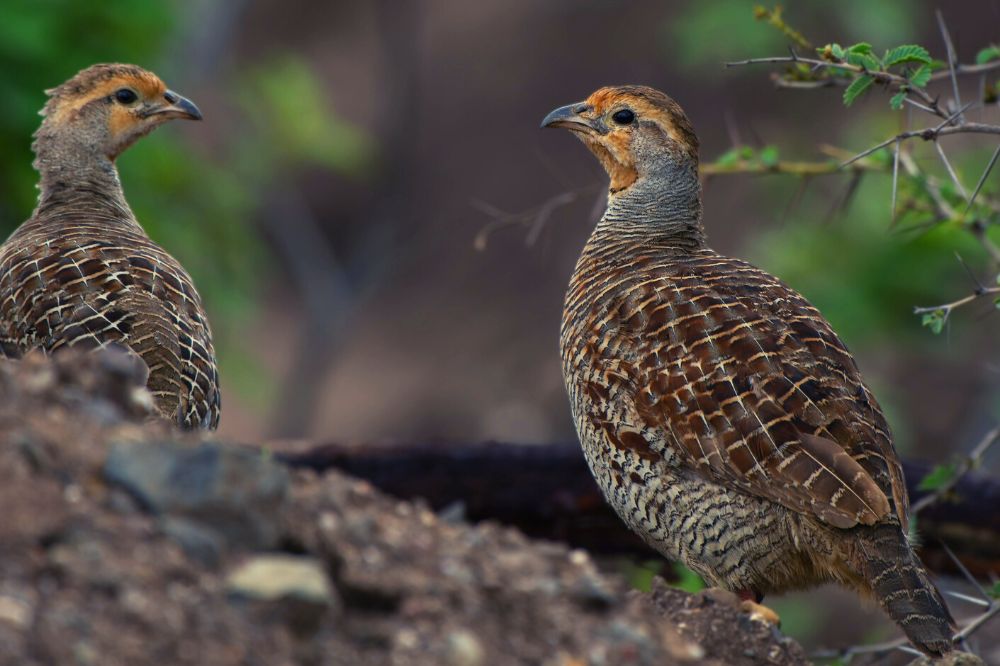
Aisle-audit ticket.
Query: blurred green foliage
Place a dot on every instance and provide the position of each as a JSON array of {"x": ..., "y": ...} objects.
[
  {"x": 200, "y": 201},
  {"x": 882, "y": 270},
  {"x": 687, "y": 579},
  {"x": 880, "y": 275},
  {"x": 884, "y": 22},
  {"x": 43, "y": 43},
  {"x": 640, "y": 574},
  {"x": 287, "y": 88}
]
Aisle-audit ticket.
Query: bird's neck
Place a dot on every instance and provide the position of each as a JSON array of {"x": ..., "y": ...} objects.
[
  {"x": 661, "y": 207},
  {"x": 73, "y": 177}
]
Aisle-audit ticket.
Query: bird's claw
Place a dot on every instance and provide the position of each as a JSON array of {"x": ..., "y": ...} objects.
[{"x": 760, "y": 613}]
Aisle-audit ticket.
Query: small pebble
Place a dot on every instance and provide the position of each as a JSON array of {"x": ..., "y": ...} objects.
[{"x": 464, "y": 649}]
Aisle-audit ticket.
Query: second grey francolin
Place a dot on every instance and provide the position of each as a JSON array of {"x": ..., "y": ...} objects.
[
  {"x": 725, "y": 421},
  {"x": 81, "y": 271}
]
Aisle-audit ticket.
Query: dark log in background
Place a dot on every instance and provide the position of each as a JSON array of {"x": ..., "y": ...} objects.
[{"x": 547, "y": 492}]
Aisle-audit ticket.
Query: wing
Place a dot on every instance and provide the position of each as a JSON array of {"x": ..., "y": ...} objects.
[
  {"x": 722, "y": 368},
  {"x": 172, "y": 333},
  {"x": 84, "y": 292}
]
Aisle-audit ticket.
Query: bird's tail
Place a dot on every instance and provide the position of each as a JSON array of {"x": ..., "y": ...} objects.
[{"x": 904, "y": 590}]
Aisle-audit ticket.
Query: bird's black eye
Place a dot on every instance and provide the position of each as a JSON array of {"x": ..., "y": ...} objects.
[
  {"x": 623, "y": 117},
  {"x": 126, "y": 96}
]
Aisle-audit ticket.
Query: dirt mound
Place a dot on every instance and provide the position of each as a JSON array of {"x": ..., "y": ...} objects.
[{"x": 123, "y": 542}]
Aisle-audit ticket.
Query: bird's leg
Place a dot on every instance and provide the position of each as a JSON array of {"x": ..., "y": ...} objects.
[{"x": 751, "y": 604}]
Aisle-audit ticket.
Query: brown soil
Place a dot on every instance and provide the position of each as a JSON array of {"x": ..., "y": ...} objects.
[{"x": 122, "y": 542}]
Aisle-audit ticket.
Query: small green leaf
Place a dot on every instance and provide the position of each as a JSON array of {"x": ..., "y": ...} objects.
[
  {"x": 838, "y": 51},
  {"x": 934, "y": 321},
  {"x": 921, "y": 77},
  {"x": 906, "y": 53},
  {"x": 769, "y": 156},
  {"x": 861, "y": 55},
  {"x": 857, "y": 87},
  {"x": 869, "y": 62},
  {"x": 938, "y": 477},
  {"x": 897, "y": 100},
  {"x": 746, "y": 153},
  {"x": 995, "y": 590},
  {"x": 729, "y": 158},
  {"x": 991, "y": 52}
]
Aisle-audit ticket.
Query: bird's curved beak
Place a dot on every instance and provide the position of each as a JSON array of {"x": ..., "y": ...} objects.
[
  {"x": 174, "y": 106},
  {"x": 572, "y": 117}
]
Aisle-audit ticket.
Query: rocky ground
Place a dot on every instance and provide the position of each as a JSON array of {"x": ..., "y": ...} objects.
[{"x": 122, "y": 542}]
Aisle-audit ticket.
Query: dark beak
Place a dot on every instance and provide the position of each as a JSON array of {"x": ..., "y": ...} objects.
[
  {"x": 571, "y": 117},
  {"x": 175, "y": 106}
]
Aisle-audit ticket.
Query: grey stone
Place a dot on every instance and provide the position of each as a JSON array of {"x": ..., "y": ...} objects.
[
  {"x": 236, "y": 493},
  {"x": 199, "y": 542}
]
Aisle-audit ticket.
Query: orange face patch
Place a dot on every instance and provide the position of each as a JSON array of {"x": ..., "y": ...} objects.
[
  {"x": 69, "y": 98},
  {"x": 614, "y": 154},
  {"x": 649, "y": 104}
]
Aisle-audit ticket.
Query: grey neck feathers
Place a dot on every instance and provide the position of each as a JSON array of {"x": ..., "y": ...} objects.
[
  {"x": 662, "y": 206},
  {"x": 77, "y": 178}
]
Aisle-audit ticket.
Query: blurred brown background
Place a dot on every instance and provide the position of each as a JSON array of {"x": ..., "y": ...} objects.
[
  {"x": 433, "y": 338},
  {"x": 351, "y": 152}
]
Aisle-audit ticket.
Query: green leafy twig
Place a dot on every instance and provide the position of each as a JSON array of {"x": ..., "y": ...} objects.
[
  {"x": 943, "y": 478},
  {"x": 936, "y": 316},
  {"x": 839, "y": 65},
  {"x": 856, "y": 64},
  {"x": 747, "y": 160},
  {"x": 925, "y": 194}
]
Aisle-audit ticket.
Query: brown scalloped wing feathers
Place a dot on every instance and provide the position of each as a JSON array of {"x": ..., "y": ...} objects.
[{"x": 733, "y": 374}]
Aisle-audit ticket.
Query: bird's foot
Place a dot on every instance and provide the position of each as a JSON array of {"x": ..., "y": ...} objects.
[
  {"x": 751, "y": 604},
  {"x": 760, "y": 612}
]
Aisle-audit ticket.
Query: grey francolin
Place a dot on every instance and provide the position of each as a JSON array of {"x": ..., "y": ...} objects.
[
  {"x": 725, "y": 421},
  {"x": 81, "y": 271}
]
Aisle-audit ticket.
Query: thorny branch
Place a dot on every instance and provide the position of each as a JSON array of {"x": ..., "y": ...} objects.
[
  {"x": 952, "y": 120},
  {"x": 895, "y": 82},
  {"x": 944, "y": 310}
]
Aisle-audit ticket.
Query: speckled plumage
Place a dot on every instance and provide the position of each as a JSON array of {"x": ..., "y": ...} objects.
[
  {"x": 82, "y": 272},
  {"x": 725, "y": 421}
]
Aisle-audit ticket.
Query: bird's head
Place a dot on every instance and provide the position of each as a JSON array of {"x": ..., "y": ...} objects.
[
  {"x": 633, "y": 131},
  {"x": 106, "y": 108}
]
